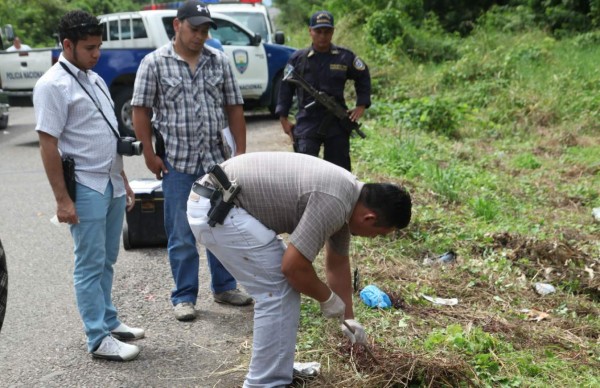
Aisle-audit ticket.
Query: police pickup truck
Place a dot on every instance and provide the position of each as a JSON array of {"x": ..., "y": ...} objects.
[
  {"x": 19, "y": 70},
  {"x": 129, "y": 36}
]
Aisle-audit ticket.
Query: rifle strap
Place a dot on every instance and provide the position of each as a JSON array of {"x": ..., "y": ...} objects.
[{"x": 301, "y": 68}]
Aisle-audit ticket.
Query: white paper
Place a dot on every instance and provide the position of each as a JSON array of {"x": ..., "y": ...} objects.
[
  {"x": 447, "y": 302},
  {"x": 145, "y": 186},
  {"x": 229, "y": 139}
]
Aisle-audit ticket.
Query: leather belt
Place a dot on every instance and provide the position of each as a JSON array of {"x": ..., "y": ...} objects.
[{"x": 202, "y": 191}]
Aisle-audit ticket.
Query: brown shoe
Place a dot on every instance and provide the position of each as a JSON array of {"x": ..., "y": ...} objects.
[{"x": 233, "y": 297}]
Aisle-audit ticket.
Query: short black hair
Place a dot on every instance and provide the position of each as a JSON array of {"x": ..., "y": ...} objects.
[
  {"x": 76, "y": 25},
  {"x": 391, "y": 203}
]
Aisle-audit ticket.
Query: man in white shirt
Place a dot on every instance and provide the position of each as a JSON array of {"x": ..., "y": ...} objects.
[
  {"x": 18, "y": 46},
  {"x": 75, "y": 118}
]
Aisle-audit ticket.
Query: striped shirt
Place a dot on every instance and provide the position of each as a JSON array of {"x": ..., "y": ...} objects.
[
  {"x": 188, "y": 108},
  {"x": 307, "y": 197},
  {"x": 65, "y": 111}
]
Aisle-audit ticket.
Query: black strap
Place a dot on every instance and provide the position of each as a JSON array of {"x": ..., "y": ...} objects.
[
  {"x": 301, "y": 69},
  {"x": 116, "y": 133}
]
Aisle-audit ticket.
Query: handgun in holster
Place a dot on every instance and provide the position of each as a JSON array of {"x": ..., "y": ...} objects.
[{"x": 221, "y": 201}]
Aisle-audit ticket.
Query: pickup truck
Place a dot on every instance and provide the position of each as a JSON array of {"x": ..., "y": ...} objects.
[
  {"x": 19, "y": 70},
  {"x": 252, "y": 14},
  {"x": 129, "y": 36}
]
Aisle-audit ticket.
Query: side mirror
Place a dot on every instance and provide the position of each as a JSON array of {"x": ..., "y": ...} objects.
[
  {"x": 279, "y": 37},
  {"x": 256, "y": 39}
]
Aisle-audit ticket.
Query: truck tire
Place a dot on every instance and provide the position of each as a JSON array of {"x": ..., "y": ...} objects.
[
  {"x": 4, "y": 122},
  {"x": 126, "y": 240},
  {"x": 3, "y": 284},
  {"x": 275, "y": 94},
  {"x": 122, "y": 99}
]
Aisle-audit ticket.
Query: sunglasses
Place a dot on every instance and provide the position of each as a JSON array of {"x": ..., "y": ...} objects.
[{"x": 88, "y": 28}]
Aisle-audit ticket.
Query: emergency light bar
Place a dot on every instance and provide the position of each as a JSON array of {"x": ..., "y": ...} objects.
[{"x": 177, "y": 4}]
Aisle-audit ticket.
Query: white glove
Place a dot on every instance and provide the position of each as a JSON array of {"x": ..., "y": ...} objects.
[
  {"x": 333, "y": 307},
  {"x": 358, "y": 336}
]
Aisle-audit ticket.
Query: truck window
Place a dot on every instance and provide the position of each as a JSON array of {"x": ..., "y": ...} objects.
[
  {"x": 230, "y": 35},
  {"x": 255, "y": 22},
  {"x": 139, "y": 31},
  {"x": 113, "y": 30},
  {"x": 168, "y": 24}
]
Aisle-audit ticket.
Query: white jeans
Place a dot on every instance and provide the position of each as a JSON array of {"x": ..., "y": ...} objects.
[{"x": 252, "y": 253}]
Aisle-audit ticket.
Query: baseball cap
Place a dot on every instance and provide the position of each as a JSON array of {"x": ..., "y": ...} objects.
[
  {"x": 321, "y": 19},
  {"x": 196, "y": 13}
]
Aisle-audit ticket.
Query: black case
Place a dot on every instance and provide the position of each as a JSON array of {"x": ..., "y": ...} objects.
[{"x": 144, "y": 224}]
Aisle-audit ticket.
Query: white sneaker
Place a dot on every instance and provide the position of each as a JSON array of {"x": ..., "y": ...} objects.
[
  {"x": 124, "y": 332},
  {"x": 115, "y": 350},
  {"x": 184, "y": 311}
]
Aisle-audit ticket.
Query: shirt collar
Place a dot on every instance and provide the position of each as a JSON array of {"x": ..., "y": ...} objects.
[
  {"x": 77, "y": 71},
  {"x": 170, "y": 51},
  {"x": 333, "y": 50}
]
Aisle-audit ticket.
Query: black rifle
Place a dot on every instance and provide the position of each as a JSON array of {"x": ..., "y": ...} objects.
[{"x": 324, "y": 99}]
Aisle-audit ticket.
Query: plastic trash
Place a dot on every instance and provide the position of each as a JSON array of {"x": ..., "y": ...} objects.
[
  {"x": 374, "y": 297},
  {"x": 445, "y": 258},
  {"x": 446, "y": 302},
  {"x": 306, "y": 369},
  {"x": 596, "y": 213},
  {"x": 544, "y": 288}
]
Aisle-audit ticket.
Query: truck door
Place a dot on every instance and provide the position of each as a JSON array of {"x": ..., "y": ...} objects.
[{"x": 247, "y": 57}]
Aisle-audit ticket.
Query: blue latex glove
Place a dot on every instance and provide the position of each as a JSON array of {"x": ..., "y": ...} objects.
[{"x": 374, "y": 297}]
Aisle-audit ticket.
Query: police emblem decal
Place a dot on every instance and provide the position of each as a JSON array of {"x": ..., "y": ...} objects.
[
  {"x": 240, "y": 58},
  {"x": 358, "y": 64}
]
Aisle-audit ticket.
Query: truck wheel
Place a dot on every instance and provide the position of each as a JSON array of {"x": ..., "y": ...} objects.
[
  {"x": 126, "y": 242},
  {"x": 275, "y": 94},
  {"x": 122, "y": 99}
]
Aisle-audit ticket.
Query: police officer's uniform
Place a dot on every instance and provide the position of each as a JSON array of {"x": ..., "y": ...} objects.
[{"x": 327, "y": 72}]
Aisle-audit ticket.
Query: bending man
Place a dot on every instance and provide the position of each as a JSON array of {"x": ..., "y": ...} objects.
[{"x": 318, "y": 204}]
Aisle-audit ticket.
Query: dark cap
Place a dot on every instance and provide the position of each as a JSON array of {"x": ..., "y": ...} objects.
[
  {"x": 196, "y": 13},
  {"x": 321, "y": 19}
]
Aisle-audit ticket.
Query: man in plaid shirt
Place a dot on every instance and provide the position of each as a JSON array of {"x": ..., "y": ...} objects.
[
  {"x": 189, "y": 88},
  {"x": 318, "y": 204}
]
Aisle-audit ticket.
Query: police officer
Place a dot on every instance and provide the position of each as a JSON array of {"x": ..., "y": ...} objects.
[{"x": 326, "y": 67}]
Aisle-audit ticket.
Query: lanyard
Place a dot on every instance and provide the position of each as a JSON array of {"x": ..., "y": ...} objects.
[{"x": 96, "y": 103}]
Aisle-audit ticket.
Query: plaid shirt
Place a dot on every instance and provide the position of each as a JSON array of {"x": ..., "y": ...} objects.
[{"x": 188, "y": 108}]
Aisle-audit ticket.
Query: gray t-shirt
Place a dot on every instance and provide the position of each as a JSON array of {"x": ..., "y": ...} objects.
[{"x": 302, "y": 195}]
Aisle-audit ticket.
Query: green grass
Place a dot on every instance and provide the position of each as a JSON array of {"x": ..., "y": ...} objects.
[{"x": 500, "y": 150}]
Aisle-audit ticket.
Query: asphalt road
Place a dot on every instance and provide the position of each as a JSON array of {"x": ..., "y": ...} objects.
[{"x": 42, "y": 343}]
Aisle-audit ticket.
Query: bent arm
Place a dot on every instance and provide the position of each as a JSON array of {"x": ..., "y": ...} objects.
[
  {"x": 301, "y": 275},
  {"x": 339, "y": 278},
  {"x": 142, "y": 125}
]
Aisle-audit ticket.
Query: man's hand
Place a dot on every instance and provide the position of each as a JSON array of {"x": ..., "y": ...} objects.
[
  {"x": 66, "y": 212},
  {"x": 334, "y": 307},
  {"x": 156, "y": 165},
  {"x": 287, "y": 126},
  {"x": 355, "y": 332},
  {"x": 356, "y": 113}
]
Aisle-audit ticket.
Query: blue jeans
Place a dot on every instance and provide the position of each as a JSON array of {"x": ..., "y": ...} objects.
[
  {"x": 96, "y": 241},
  {"x": 183, "y": 253}
]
